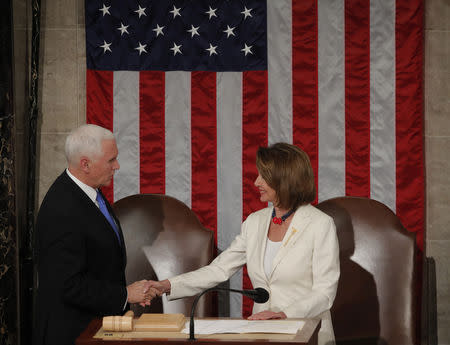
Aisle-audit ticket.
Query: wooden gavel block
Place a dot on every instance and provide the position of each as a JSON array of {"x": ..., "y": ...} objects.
[{"x": 145, "y": 323}]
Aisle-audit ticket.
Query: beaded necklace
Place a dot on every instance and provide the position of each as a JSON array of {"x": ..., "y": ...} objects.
[{"x": 278, "y": 220}]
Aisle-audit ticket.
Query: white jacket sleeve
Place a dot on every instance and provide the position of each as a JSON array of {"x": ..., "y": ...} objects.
[{"x": 218, "y": 271}]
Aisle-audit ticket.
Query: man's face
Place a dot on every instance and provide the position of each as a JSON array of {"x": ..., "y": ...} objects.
[{"x": 103, "y": 167}]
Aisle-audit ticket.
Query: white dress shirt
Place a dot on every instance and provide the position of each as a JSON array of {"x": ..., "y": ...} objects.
[{"x": 90, "y": 192}]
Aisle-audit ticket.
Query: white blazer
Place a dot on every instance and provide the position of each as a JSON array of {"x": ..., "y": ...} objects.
[{"x": 305, "y": 271}]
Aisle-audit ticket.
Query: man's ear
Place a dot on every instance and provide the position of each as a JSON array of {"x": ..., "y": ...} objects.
[{"x": 85, "y": 164}]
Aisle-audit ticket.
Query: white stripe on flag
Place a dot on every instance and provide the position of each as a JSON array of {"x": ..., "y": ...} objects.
[
  {"x": 279, "y": 60},
  {"x": 229, "y": 170},
  {"x": 126, "y": 127},
  {"x": 382, "y": 102},
  {"x": 178, "y": 135},
  {"x": 331, "y": 179}
]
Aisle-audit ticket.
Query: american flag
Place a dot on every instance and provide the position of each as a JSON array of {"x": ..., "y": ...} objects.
[{"x": 192, "y": 88}]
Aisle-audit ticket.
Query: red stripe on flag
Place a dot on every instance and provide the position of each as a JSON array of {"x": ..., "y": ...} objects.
[
  {"x": 357, "y": 97},
  {"x": 151, "y": 132},
  {"x": 254, "y": 134},
  {"x": 410, "y": 194},
  {"x": 204, "y": 148},
  {"x": 305, "y": 79},
  {"x": 99, "y": 108}
]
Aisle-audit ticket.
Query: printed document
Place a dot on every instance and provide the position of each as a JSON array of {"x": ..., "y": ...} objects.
[{"x": 244, "y": 326}]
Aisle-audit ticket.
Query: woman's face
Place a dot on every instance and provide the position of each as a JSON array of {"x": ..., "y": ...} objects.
[{"x": 266, "y": 193}]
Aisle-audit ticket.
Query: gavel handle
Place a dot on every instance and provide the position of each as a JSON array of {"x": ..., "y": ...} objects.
[{"x": 129, "y": 313}]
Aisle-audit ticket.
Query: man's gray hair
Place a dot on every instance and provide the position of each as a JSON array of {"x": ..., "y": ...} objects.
[{"x": 86, "y": 140}]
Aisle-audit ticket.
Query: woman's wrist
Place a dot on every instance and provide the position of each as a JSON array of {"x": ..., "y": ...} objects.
[{"x": 166, "y": 285}]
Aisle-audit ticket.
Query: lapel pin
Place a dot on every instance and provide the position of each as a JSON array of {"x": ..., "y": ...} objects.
[{"x": 294, "y": 230}]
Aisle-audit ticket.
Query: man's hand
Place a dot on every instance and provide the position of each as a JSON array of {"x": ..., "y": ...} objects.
[
  {"x": 267, "y": 314},
  {"x": 141, "y": 292},
  {"x": 163, "y": 286}
]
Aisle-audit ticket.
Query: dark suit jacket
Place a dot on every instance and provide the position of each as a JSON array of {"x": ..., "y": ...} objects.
[{"x": 80, "y": 264}]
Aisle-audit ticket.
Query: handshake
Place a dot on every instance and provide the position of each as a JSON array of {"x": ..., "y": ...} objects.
[{"x": 144, "y": 291}]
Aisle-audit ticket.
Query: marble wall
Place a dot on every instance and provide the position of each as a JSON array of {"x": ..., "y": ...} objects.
[
  {"x": 63, "y": 108},
  {"x": 8, "y": 228},
  {"x": 63, "y": 83}
]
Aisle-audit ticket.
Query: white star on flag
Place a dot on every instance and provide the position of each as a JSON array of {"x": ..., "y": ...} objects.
[
  {"x": 229, "y": 31},
  {"x": 176, "y": 49},
  {"x": 246, "y": 12},
  {"x": 211, "y": 49},
  {"x": 194, "y": 30},
  {"x": 123, "y": 29},
  {"x": 176, "y": 11},
  {"x": 141, "y": 11},
  {"x": 159, "y": 30},
  {"x": 106, "y": 47},
  {"x": 247, "y": 49},
  {"x": 211, "y": 12},
  {"x": 141, "y": 48},
  {"x": 105, "y": 10}
]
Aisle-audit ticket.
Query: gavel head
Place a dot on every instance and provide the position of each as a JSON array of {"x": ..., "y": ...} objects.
[{"x": 119, "y": 323}]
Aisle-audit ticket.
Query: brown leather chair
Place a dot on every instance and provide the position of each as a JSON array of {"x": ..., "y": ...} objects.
[
  {"x": 164, "y": 238},
  {"x": 378, "y": 299}
]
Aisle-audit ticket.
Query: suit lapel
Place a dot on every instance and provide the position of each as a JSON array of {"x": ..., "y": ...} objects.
[
  {"x": 298, "y": 224},
  {"x": 84, "y": 199}
]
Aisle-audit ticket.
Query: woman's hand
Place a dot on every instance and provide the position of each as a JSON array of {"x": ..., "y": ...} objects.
[
  {"x": 141, "y": 292},
  {"x": 267, "y": 315},
  {"x": 163, "y": 286}
]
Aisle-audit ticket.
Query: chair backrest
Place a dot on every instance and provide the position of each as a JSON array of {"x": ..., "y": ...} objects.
[
  {"x": 164, "y": 238},
  {"x": 378, "y": 295}
]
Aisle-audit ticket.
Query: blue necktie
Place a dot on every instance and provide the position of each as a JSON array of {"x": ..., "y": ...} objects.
[{"x": 104, "y": 209}]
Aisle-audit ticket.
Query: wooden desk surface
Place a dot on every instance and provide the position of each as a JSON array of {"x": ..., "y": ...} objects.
[{"x": 306, "y": 336}]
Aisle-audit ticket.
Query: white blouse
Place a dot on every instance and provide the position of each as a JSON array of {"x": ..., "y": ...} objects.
[{"x": 271, "y": 251}]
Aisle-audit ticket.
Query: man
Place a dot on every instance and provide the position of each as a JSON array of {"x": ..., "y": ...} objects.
[{"x": 80, "y": 249}]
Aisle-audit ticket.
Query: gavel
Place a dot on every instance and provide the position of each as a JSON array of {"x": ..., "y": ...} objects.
[
  {"x": 146, "y": 323},
  {"x": 119, "y": 323}
]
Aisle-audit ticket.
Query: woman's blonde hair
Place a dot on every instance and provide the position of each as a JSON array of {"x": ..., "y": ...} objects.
[{"x": 287, "y": 169}]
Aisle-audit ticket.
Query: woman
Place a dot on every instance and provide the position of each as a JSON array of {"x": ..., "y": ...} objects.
[{"x": 290, "y": 248}]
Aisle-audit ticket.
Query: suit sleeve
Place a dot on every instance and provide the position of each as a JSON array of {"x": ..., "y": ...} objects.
[
  {"x": 325, "y": 270},
  {"x": 218, "y": 271}
]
